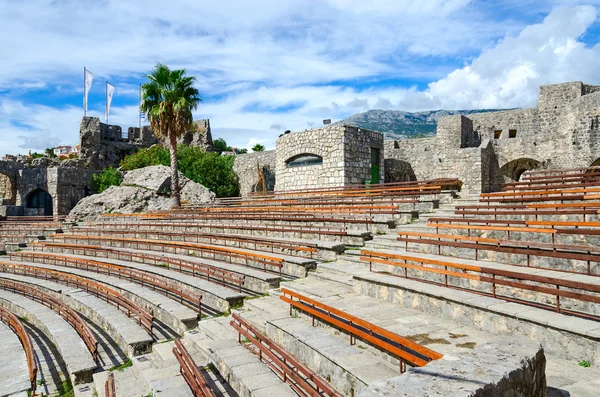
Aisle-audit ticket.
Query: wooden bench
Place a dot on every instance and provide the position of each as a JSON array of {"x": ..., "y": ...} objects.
[
  {"x": 157, "y": 283},
  {"x": 296, "y": 247},
  {"x": 143, "y": 318},
  {"x": 301, "y": 378},
  {"x": 19, "y": 329},
  {"x": 495, "y": 277},
  {"x": 585, "y": 253},
  {"x": 70, "y": 315},
  {"x": 404, "y": 349},
  {"x": 195, "y": 269},
  {"x": 161, "y": 246},
  {"x": 199, "y": 226},
  {"x": 109, "y": 386},
  {"x": 190, "y": 372}
]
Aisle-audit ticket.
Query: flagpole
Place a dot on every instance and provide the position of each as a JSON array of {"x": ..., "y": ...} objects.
[
  {"x": 106, "y": 108},
  {"x": 139, "y": 112},
  {"x": 84, "y": 104}
]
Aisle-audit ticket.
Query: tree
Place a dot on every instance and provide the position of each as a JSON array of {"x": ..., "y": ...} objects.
[
  {"x": 242, "y": 151},
  {"x": 168, "y": 99},
  {"x": 49, "y": 152},
  {"x": 221, "y": 146},
  {"x": 258, "y": 148}
]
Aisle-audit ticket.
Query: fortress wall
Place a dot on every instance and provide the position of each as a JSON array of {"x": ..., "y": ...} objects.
[
  {"x": 346, "y": 153},
  {"x": 357, "y": 159},
  {"x": 427, "y": 159},
  {"x": 246, "y": 168}
]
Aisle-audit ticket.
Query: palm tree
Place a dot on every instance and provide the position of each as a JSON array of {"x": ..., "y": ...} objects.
[{"x": 168, "y": 99}]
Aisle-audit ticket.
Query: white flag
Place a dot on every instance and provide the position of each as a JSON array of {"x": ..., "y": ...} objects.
[
  {"x": 88, "y": 77},
  {"x": 110, "y": 89}
]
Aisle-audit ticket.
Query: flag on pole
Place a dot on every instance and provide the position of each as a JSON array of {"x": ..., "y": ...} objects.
[
  {"x": 142, "y": 117},
  {"x": 88, "y": 77},
  {"x": 110, "y": 89}
]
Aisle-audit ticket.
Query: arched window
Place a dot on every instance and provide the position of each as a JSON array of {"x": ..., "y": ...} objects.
[{"x": 304, "y": 159}]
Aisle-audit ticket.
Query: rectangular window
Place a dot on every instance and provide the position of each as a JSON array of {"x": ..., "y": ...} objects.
[
  {"x": 512, "y": 133},
  {"x": 497, "y": 134}
]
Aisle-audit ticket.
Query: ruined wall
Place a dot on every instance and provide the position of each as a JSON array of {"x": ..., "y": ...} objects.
[
  {"x": 346, "y": 153},
  {"x": 103, "y": 145},
  {"x": 246, "y": 168},
  {"x": 487, "y": 149},
  {"x": 66, "y": 185}
]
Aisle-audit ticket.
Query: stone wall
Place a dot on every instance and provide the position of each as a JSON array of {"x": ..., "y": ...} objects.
[
  {"x": 66, "y": 185},
  {"x": 485, "y": 150},
  {"x": 104, "y": 145},
  {"x": 346, "y": 153},
  {"x": 246, "y": 168}
]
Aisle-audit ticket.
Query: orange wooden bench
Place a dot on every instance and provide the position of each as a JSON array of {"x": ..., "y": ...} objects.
[
  {"x": 19, "y": 329},
  {"x": 404, "y": 349}
]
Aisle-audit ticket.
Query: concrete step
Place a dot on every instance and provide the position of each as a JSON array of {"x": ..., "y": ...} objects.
[
  {"x": 161, "y": 372},
  {"x": 127, "y": 383},
  {"x": 77, "y": 358},
  {"x": 175, "y": 315},
  {"x": 14, "y": 376},
  {"x": 127, "y": 334},
  {"x": 213, "y": 295}
]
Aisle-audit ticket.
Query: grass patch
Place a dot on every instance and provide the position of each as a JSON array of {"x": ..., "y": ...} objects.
[
  {"x": 66, "y": 389},
  {"x": 585, "y": 364},
  {"x": 24, "y": 318},
  {"x": 128, "y": 363},
  {"x": 467, "y": 345},
  {"x": 163, "y": 265}
]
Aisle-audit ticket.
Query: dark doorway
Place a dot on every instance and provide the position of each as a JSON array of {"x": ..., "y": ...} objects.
[
  {"x": 40, "y": 200},
  {"x": 374, "y": 165}
]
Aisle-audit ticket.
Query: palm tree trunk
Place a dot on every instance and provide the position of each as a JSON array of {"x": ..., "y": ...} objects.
[{"x": 175, "y": 196}]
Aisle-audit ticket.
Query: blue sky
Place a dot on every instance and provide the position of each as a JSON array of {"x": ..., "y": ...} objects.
[{"x": 270, "y": 65}]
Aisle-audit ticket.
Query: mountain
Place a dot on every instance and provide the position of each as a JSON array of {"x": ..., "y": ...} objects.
[{"x": 396, "y": 124}]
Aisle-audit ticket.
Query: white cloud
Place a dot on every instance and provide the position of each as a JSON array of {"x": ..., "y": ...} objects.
[{"x": 254, "y": 63}]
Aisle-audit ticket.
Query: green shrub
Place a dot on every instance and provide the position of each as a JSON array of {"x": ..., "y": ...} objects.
[
  {"x": 155, "y": 155},
  {"x": 105, "y": 179},
  {"x": 209, "y": 169}
]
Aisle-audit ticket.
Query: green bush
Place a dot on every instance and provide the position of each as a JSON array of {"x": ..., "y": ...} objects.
[
  {"x": 209, "y": 169},
  {"x": 105, "y": 179},
  {"x": 155, "y": 155}
]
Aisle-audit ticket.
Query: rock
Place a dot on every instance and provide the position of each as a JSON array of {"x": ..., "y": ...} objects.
[
  {"x": 121, "y": 200},
  {"x": 158, "y": 179},
  {"x": 143, "y": 190}
]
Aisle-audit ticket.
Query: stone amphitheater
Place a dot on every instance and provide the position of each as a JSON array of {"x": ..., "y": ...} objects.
[
  {"x": 399, "y": 289},
  {"x": 473, "y": 271}
]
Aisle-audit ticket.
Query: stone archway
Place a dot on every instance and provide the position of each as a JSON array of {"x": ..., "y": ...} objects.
[
  {"x": 39, "y": 202},
  {"x": 512, "y": 171}
]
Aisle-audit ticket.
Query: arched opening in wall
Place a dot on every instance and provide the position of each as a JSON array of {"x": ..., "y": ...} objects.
[
  {"x": 40, "y": 202},
  {"x": 7, "y": 189},
  {"x": 596, "y": 163},
  {"x": 398, "y": 171},
  {"x": 512, "y": 171},
  {"x": 304, "y": 159}
]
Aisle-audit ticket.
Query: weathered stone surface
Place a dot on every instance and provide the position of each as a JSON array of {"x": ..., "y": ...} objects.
[
  {"x": 142, "y": 190},
  {"x": 120, "y": 199},
  {"x": 246, "y": 168},
  {"x": 158, "y": 179},
  {"x": 346, "y": 153},
  {"x": 488, "y": 370}
]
